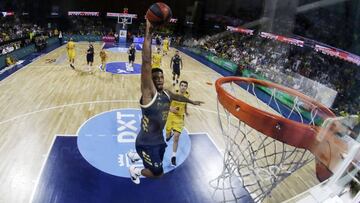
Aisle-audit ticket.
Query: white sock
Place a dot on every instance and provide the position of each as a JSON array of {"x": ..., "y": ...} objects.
[
  {"x": 138, "y": 171},
  {"x": 174, "y": 154}
]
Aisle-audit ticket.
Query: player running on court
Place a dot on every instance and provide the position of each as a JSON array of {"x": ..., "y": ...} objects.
[
  {"x": 131, "y": 52},
  {"x": 175, "y": 121},
  {"x": 70, "y": 48},
  {"x": 156, "y": 59},
  {"x": 165, "y": 44},
  {"x": 103, "y": 60},
  {"x": 176, "y": 64}
]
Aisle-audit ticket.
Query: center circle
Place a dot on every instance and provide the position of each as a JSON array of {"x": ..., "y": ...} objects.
[{"x": 105, "y": 139}]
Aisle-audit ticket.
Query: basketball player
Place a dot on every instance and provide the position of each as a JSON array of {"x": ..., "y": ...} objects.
[
  {"x": 70, "y": 47},
  {"x": 176, "y": 64},
  {"x": 156, "y": 59},
  {"x": 131, "y": 51},
  {"x": 158, "y": 41},
  {"x": 103, "y": 60},
  {"x": 90, "y": 55},
  {"x": 175, "y": 122},
  {"x": 165, "y": 43},
  {"x": 155, "y": 105}
]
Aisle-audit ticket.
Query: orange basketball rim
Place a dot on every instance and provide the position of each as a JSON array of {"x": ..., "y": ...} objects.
[{"x": 288, "y": 131}]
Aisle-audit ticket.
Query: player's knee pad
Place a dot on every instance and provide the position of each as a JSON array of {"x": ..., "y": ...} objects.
[{"x": 158, "y": 171}]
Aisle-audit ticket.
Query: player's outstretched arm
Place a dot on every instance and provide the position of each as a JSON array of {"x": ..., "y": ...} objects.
[
  {"x": 148, "y": 89},
  {"x": 181, "y": 98}
]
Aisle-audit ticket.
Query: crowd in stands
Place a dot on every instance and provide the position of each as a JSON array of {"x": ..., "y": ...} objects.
[
  {"x": 16, "y": 33},
  {"x": 261, "y": 55},
  {"x": 88, "y": 26}
]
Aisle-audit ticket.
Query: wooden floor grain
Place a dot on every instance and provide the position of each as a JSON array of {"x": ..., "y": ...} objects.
[{"x": 44, "y": 99}]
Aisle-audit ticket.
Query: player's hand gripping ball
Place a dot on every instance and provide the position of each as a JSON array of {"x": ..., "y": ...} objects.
[{"x": 159, "y": 14}]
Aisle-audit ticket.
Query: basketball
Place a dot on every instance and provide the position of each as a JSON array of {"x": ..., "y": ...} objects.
[{"x": 159, "y": 14}]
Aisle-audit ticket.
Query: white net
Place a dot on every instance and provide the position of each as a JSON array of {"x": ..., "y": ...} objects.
[{"x": 254, "y": 161}]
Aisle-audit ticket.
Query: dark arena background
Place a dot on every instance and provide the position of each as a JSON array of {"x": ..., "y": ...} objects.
[{"x": 280, "y": 82}]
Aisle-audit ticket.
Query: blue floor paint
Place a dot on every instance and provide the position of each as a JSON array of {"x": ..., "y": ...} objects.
[
  {"x": 120, "y": 68},
  {"x": 277, "y": 106},
  {"x": 28, "y": 59},
  {"x": 105, "y": 139},
  {"x": 122, "y": 47},
  {"x": 68, "y": 177}
]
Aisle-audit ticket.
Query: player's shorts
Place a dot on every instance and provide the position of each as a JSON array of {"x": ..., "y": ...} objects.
[
  {"x": 90, "y": 58},
  {"x": 165, "y": 48},
  {"x": 155, "y": 66},
  {"x": 131, "y": 58},
  {"x": 176, "y": 70},
  {"x": 175, "y": 124},
  {"x": 71, "y": 54},
  {"x": 152, "y": 157}
]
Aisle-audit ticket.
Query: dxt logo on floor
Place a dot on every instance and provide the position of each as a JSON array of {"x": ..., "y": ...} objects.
[{"x": 105, "y": 139}]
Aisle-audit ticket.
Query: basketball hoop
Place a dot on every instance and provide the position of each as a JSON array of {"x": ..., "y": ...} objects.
[
  {"x": 266, "y": 142},
  {"x": 125, "y": 19}
]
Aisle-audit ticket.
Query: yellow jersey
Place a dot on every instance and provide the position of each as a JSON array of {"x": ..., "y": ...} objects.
[
  {"x": 102, "y": 55},
  {"x": 156, "y": 60},
  {"x": 166, "y": 43},
  {"x": 70, "y": 46},
  {"x": 180, "y": 106}
]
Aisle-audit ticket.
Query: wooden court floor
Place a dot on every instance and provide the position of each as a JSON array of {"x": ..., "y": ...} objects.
[{"x": 47, "y": 97}]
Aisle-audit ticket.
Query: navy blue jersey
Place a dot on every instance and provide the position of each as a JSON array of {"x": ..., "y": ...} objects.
[
  {"x": 153, "y": 121},
  {"x": 132, "y": 52},
  {"x": 176, "y": 60}
]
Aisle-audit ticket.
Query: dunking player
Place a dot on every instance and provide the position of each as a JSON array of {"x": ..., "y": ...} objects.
[
  {"x": 175, "y": 121},
  {"x": 131, "y": 51},
  {"x": 165, "y": 44},
  {"x": 156, "y": 59},
  {"x": 176, "y": 64},
  {"x": 70, "y": 47},
  {"x": 155, "y": 105}
]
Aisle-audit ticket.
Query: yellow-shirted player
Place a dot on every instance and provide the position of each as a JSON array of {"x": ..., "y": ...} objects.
[
  {"x": 165, "y": 44},
  {"x": 70, "y": 47},
  {"x": 175, "y": 120},
  {"x": 156, "y": 59},
  {"x": 103, "y": 60}
]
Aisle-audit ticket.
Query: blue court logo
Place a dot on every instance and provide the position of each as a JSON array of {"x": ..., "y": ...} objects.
[
  {"x": 122, "y": 68},
  {"x": 105, "y": 139}
]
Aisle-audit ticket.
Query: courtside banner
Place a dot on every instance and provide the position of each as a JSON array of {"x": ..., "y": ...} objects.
[
  {"x": 241, "y": 30},
  {"x": 108, "y": 39},
  {"x": 139, "y": 40},
  {"x": 173, "y": 20},
  {"x": 282, "y": 39},
  {"x": 82, "y": 13},
  {"x": 338, "y": 53},
  {"x": 7, "y": 13}
]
